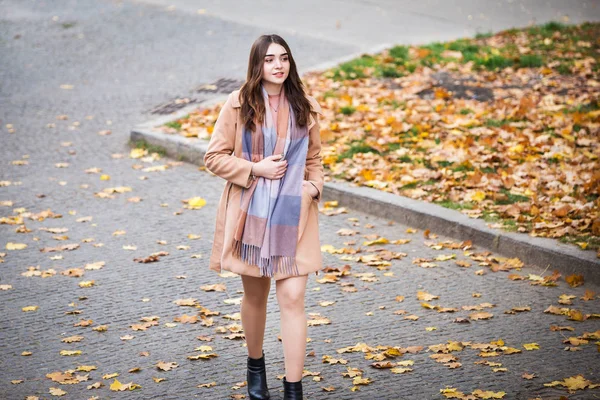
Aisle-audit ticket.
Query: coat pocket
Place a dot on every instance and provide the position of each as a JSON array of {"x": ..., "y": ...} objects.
[
  {"x": 234, "y": 193},
  {"x": 305, "y": 204}
]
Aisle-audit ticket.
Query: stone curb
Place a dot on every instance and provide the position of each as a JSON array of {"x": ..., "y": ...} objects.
[{"x": 542, "y": 252}]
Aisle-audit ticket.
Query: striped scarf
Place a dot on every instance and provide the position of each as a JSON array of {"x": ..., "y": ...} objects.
[{"x": 267, "y": 228}]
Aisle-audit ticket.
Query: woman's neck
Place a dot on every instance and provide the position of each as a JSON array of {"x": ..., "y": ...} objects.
[{"x": 272, "y": 88}]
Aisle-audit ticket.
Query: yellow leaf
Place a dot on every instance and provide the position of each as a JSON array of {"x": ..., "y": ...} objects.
[
  {"x": 15, "y": 246},
  {"x": 116, "y": 385},
  {"x": 70, "y": 352},
  {"x": 421, "y": 295},
  {"x": 57, "y": 391},
  {"x": 488, "y": 394},
  {"x": 138, "y": 153},
  {"x": 196, "y": 203},
  {"x": 30, "y": 308},
  {"x": 478, "y": 196},
  {"x": 531, "y": 346},
  {"x": 430, "y": 328},
  {"x": 399, "y": 370},
  {"x": 442, "y": 257},
  {"x": 105, "y": 177},
  {"x": 380, "y": 240},
  {"x": 576, "y": 382}
]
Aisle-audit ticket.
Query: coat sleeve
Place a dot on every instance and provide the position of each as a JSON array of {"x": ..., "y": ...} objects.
[
  {"x": 314, "y": 166},
  {"x": 219, "y": 158}
]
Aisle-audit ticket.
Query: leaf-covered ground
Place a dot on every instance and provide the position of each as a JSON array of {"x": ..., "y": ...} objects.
[{"x": 503, "y": 127}]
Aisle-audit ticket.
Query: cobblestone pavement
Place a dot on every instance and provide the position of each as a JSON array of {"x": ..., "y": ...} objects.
[{"x": 115, "y": 77}]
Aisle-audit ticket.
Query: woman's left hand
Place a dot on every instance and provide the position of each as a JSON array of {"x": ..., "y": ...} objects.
[{"x": 311, "y": 189}]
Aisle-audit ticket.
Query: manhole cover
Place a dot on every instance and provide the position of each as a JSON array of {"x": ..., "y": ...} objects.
[
  {"x": 223, "y": 85},
  {"x": 173, "y": 105}
]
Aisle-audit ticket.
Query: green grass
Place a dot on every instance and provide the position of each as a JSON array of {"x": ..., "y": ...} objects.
[
  {"x": 489, "y": 170},
  {"x": 329, "y": 93},
  {"x": 354, "y": 69},
  {"x": 562, "y": 40},
  {"x": 494, "y": 62},
  {"x": 143, "y": 144},
  {"x": 355, "y": 148},
  {"x": 400, "y": 54},
  {"x": 455, "y": 205},
  {"x": 174, "y": 125},
  {"x": 496, "y": 123},
  {"x": 67, "y": 25},
  {"x": 511, "y": 198},
  {"x": 483, "y": 35},
  {"x": 592, "y": 241},
  {"x": 347, "y": 110},
  {"x": 530, "y": 61},
  {"x": 463, "y": 168},
  {"x": 411, "y": 185}
]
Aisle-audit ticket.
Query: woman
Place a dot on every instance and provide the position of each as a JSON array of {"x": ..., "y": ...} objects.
[{"x": 266, "y": 144}]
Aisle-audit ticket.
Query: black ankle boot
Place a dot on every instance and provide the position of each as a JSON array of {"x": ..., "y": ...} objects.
[
  {"x": 292, "y": 390},
  {"x": 257, "y": 379}
]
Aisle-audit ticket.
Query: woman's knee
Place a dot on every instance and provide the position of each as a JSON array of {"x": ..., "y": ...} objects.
[
  {"x": 256, "y": 290},
  {"x": 290, "y": 294}
]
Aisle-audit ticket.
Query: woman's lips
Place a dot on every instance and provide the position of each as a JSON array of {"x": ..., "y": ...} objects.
[{"x": 279, "y": 74}]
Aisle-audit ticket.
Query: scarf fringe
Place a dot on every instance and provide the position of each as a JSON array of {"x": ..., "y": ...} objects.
[{"x": 268, "y": 266}]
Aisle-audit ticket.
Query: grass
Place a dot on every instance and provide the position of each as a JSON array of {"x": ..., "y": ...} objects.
[
  {"x": 496, "y": 123},
  {"x": 143, "y": 144},
  {"x": 593, "y": 242},
  {"x": 347, "y": 110},
  {"x": 511, "y": 198},
  {"x": 174, "y": 124},
  {"x": 357, "y": 147},
  {"x": 561, "y": 40},
  {"x": 530, "y": 61},
  {"x": 455, "y": 206}
]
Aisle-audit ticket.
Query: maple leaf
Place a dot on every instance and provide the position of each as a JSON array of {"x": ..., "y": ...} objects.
[
  {"x": 57, "y": 391},
  {"x": 421, "y": 295},
  {"x": 166, "y": 366},
  {"x": 202, "y": 356},
  {"x": 480, "y": 315},
  {"x": 186, "y": 319},
  {"x": 488, "y": 394},
  {"x": 185, "y": 302},
  {"x": 217, "y": 288},
  {"x": 574, "y": 280},
  {"x": 531, "y": 346},
  {"x": 206, "y": 385}
]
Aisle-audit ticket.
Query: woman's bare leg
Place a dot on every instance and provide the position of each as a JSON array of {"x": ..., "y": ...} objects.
[
  {"x": 290, "y": 296},
  {"x": 254, "y": 312}
]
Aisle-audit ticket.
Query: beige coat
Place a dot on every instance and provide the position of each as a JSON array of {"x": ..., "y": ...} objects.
[{"x": 224, "y": 159}]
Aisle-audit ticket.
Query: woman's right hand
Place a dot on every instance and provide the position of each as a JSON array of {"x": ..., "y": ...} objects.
[{"x": 270, "y": 168}]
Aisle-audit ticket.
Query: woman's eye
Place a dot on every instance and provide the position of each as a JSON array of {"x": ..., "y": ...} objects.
[
  {"x": 284, "y": 59},
  {"x": 269, "y": 60}
]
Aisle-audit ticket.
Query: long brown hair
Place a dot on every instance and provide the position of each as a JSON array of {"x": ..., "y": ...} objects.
[{"x": 251, "y": 96}]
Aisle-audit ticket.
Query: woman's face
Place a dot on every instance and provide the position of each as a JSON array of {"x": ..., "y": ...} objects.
[{"x": 276, "y": 66}]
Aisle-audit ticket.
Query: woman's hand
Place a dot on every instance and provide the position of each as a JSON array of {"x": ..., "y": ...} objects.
[
  {"x": 312, "y": 190},
  {"x": 270, "y": 168}
]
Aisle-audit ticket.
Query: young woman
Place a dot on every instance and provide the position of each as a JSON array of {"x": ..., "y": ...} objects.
[{"x": 266, "y": 144}]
